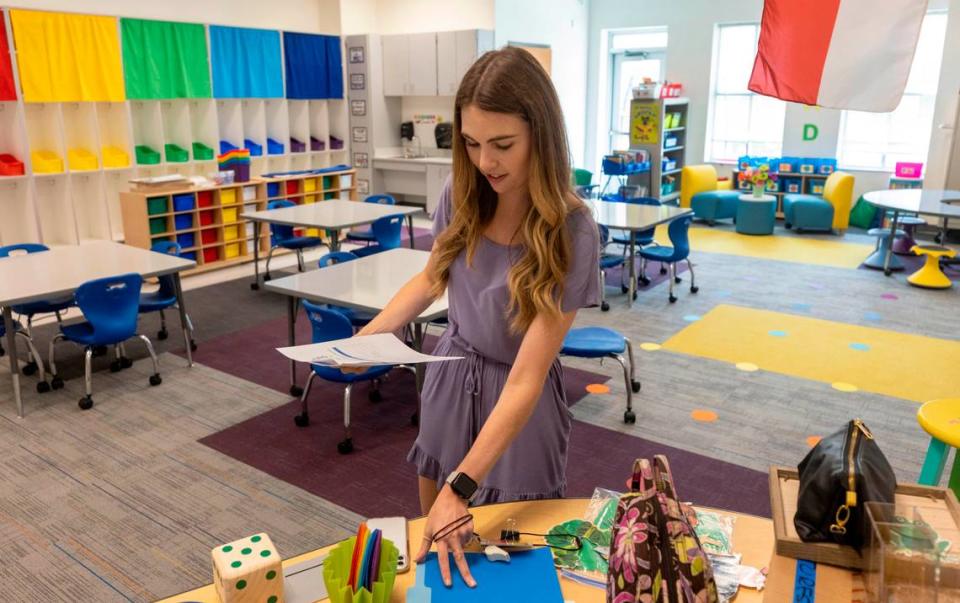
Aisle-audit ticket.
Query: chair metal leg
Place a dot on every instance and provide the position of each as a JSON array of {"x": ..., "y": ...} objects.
[
  {"x": 155, "y": 377},
  {"x": 634, "y": 384},
  {"x": 604, "y": 306},
  {"x": 42, "y": 386},
  {"x": 266, "y": 270},
  {"x": 693, "y": 277},
  {"x": 303, "y": 419},
  {"x": 300, "y": 260},
  {"x": 628, "y": 416},
  {"x": 346, "y": 446},
  {"x": 672, "y": 270},
  {"x": 55, "y": 381},
  {"x": 86, "y": 403}
]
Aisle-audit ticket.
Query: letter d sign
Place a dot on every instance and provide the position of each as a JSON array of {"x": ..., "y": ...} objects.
[{"x": 810, "y": 132}]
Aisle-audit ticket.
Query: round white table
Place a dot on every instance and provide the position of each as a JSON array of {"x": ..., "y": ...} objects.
[{"x": 940, "y": 203}]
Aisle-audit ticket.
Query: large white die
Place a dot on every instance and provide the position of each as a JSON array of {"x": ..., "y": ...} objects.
[{"x": 248, "y": 570}]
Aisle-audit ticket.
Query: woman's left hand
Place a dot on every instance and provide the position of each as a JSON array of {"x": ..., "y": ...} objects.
[{"x": 447, "y": 509}]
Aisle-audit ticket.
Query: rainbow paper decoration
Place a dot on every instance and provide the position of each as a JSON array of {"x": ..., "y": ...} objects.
[
  {"x": 236, "y": 161},
  {"x": 365, "y": 562}
]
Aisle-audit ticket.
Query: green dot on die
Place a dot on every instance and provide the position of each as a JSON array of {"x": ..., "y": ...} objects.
[
  {"x": 227, "y": 549},
  {"x": 264, "y": 553},
  {"x": 246, "y": 551},
  {"x": 241, "y": 584},
  {"x": 235, "y": 564},
  {"x": 255, "y": 539},
  {"x": 271, "y": 575},
  {"x": 272, "y": 599}
]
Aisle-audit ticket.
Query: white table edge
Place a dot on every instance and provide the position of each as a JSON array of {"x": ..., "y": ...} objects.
[
  {"x": 403, "y": 210},
  {"x": 321, "y": 299},
  {"x": 682, "y": 211}
]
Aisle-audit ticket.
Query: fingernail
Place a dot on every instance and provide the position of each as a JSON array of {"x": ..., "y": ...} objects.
[
  {"x": 447, "y": 584},
  {"x": 472, "y": 584}
]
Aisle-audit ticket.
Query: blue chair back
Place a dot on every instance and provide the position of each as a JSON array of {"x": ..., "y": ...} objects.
[
  {"x": 167, "y": 288},
  {"x": 111, "y": 305},
  {"x": 604, "y": 235},
  {"x": 386, "y": 231},
  {"x": 327, "y": 324},
  {"x": 280, "y": 232},
  {"x": 617, "y": 198},
  {"x": 24, "y": 248},
  {"x": 679, "y": 231},
  {"x": 381, "y": 199},
  {"x": 336, "y": 257}
]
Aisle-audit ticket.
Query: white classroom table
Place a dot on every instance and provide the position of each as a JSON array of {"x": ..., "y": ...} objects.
[
  {"x": 333, "y": 215},
  {"x": 921, "y": 201},
  {"x": 633, "y": 217},
  {"x": 58, "y": 272},
  {"x": 367, "y": 283}
]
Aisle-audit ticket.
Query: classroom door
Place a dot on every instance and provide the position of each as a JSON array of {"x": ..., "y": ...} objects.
[{"x": 629, "y": 69}]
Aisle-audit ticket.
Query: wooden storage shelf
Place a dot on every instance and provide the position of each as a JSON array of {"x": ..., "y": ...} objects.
[{"x": 660, "y": 112}]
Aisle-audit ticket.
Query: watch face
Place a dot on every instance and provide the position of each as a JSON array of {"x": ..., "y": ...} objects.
[{"x": 463, "y": 485}]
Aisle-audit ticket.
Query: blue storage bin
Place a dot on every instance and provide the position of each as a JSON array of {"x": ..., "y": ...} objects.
[
  {"x": 808, "y": 165},
  {"x": 256, "y": 150},
  {"x": 186, "y": 239},
  {"x": 226, "y": 146},
  {"x": 273, "y": 189},
  {"x": 183, "y": 221},
  {"x": 792, "y": 185},
  {"x": 183, "y": 202},
  {"x": 744, "y": 163},
  {"x": 788, "y": 165},
  {"x": 827, "y": 166},
  {"x": 189, "y": 255},
  {"x": 274, "y": 147}
]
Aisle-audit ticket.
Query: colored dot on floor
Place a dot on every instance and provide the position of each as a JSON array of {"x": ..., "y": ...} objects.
[
  {"x": 802, "y": 307},
  {"x": 598, "y": 388},
  {"x": 813, "y": 441},
  {"x": 777, "y": 333},
  {"x": 649, "y": 347},
  {"x": 873, "y": 316},
  {"x": 704, "y": 416},
  {"x": 747, "y": 367},
  {"x": 691, "y": 317},
  {"x": 860, "y": 347},
  {"x": 844, "y": 387},
  {"x": 889, "y": 296}
]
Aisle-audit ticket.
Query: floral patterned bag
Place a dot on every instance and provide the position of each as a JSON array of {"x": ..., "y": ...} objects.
[{"x": 655, "y": 556}]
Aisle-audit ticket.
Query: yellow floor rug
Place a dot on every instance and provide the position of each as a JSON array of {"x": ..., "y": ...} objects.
[
  {"x": 775, "y": 247},
  {"x": 905, "y": 366}
]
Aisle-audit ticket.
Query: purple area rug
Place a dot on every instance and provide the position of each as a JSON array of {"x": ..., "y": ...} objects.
[{"x": 308, "y": 458}]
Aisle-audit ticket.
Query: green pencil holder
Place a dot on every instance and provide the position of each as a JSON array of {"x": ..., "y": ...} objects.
[{"x": 336, "y": 573}]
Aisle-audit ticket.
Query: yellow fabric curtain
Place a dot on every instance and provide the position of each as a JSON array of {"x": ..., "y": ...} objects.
[{"x": 67, "y": 58}]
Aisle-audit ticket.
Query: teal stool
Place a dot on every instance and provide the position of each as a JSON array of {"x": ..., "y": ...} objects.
[
  {"x": 807, "y": 212},
  {"x": 941, "y": 419},
  {"x": 876, "y": 258},
  {"x": 715, "y": 205},
  {"x": 756, "y": 217}
]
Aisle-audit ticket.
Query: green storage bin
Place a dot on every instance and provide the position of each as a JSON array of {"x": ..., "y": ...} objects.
[
  {"x": 146, "y": 155},
  {"x": 176, "y": 154},
  {"x": 157, "y": 205},
  {"x": 158, "y": 225},
  {"x": 327, "y": 182},
  {"x": 202, "y": 152}
]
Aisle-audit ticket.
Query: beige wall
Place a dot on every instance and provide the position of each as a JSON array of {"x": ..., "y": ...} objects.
[{"x": 415, "y": 16}]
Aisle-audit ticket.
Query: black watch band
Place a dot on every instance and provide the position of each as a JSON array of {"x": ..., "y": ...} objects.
[{"x": 462, "y": 484}]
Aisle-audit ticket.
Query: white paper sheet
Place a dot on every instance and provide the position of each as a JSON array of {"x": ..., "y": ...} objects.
[{"x": 366, "y": 350}]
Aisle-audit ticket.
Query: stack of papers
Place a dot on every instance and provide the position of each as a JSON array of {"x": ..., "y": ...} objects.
[{"x": 366, "y": 350}]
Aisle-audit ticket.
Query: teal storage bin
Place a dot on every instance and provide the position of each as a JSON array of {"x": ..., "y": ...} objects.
[{"x": 156, "y": 205}]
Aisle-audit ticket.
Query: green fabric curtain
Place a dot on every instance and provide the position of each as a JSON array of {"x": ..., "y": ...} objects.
[{"x": 165, "y": 60}]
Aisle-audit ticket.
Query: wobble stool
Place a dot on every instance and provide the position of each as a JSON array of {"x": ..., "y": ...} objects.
[
  {"x": 930, "y": 276},
  {"x": 941, "y": 419}
]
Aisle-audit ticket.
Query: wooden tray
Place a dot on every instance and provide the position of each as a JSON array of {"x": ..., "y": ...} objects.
[{"x": 940, "y": 509}]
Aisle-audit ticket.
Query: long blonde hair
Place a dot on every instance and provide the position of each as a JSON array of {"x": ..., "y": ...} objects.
[{"x": 511, "y": 81}]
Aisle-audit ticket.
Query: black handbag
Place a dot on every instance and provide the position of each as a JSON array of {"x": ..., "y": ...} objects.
[{"x": 843, "y": 472}]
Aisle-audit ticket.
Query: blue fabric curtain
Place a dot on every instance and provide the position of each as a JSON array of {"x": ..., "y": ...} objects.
[
  {"x": 313, "y": 66},
  {"x": 246, "y": 62}
]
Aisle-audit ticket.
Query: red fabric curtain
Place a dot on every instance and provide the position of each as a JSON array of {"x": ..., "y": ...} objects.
[{"x": 8, "y": 91}]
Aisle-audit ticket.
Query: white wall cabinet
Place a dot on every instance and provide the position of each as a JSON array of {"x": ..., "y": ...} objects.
[
  {"x": 396, "y": 65},
  {"x": 410, "y": 65},
  {"x": 456, "y": 52}
]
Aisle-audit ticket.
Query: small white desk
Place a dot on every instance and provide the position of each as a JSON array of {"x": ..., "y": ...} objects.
[
  {"x": 333, "y": 216},
  {"x": 922, "y": 201},
  {"x": 634, "y": 217},
  {"x": 366, "y": 284},
  {"x": 58, "y": 272}
]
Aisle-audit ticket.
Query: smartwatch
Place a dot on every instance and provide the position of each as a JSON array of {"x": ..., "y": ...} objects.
[{"x": 462, "y": 484}]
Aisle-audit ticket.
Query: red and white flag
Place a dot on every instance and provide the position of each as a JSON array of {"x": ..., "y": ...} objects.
[{"x": 842, "y": 54}]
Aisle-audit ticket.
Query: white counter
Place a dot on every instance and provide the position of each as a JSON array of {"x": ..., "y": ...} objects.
[{"x": 421, "y": 177}]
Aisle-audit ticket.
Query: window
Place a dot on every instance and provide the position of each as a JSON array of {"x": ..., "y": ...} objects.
[
  {"x": 740, "y": 122},
  {"x": 634, "y": 55},
  {"x": 877, "y": 141}
]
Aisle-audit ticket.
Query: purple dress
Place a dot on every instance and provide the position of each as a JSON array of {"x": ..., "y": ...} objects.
[{"x": 458, "y": 396}]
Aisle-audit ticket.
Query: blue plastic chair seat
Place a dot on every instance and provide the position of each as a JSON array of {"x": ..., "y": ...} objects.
[
  {"x": 156, "y": 301},
  {"x": 362, "y": 252},
  {"x": 610, "y": 261},
  {"x": 640, "y": 238},
  {"x": 337, "y": 376},
  {"x": 299, "y": 242},
  {"x": 661, "y": 253},
  {"x": 593, "y": 342},
  {"x": 42, "y": 307},
  {"x": 361, "y": 235},
  {"x": 81, "y": 333}
]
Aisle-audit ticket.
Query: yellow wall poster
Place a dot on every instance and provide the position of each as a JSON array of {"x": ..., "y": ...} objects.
[{"x": 644, "y": 123}]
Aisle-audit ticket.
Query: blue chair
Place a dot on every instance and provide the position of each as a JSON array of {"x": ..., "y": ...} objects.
[
  {"x": 163, "y": 298},
  {"x": 600, "y": 342},
  {"x": 641, "y": 238},
  {"x": 42, "y": 386},
  {"x": 365, "y": 234},
  {"x": 357, "y": 318},
  {"x": 329, "y": 325},
  {"x": 607, "y": 261},
  {"x": 110, "y": 306},
  {"x": 386, "y": 231},
  {"x": 31, "y": 309},
  {"x": 282, "y": 236},
  {"x": 678, "y": 251}
]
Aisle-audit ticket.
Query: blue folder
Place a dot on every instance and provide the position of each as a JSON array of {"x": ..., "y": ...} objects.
[{"x": 529, "y": 576}]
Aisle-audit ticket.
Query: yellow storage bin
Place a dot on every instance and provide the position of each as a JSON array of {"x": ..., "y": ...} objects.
[
  {"x": 82, "y": 160},
  {"x": 231, "y": 233},
  {"x": 309, "y": 185},
  {"x": 229, "y": 214},
  {"x": 46, "y": 162},
  {"x": 312, "y": 232},
  {"x": 310, "y": 199},
  {"x": 115, "y": 157},
  {"x": 231, "y": 251},
  {"x": 228, "y": 196}
]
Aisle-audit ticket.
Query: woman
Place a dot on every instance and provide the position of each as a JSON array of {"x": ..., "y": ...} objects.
[{"x": 517, "y": 253}]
